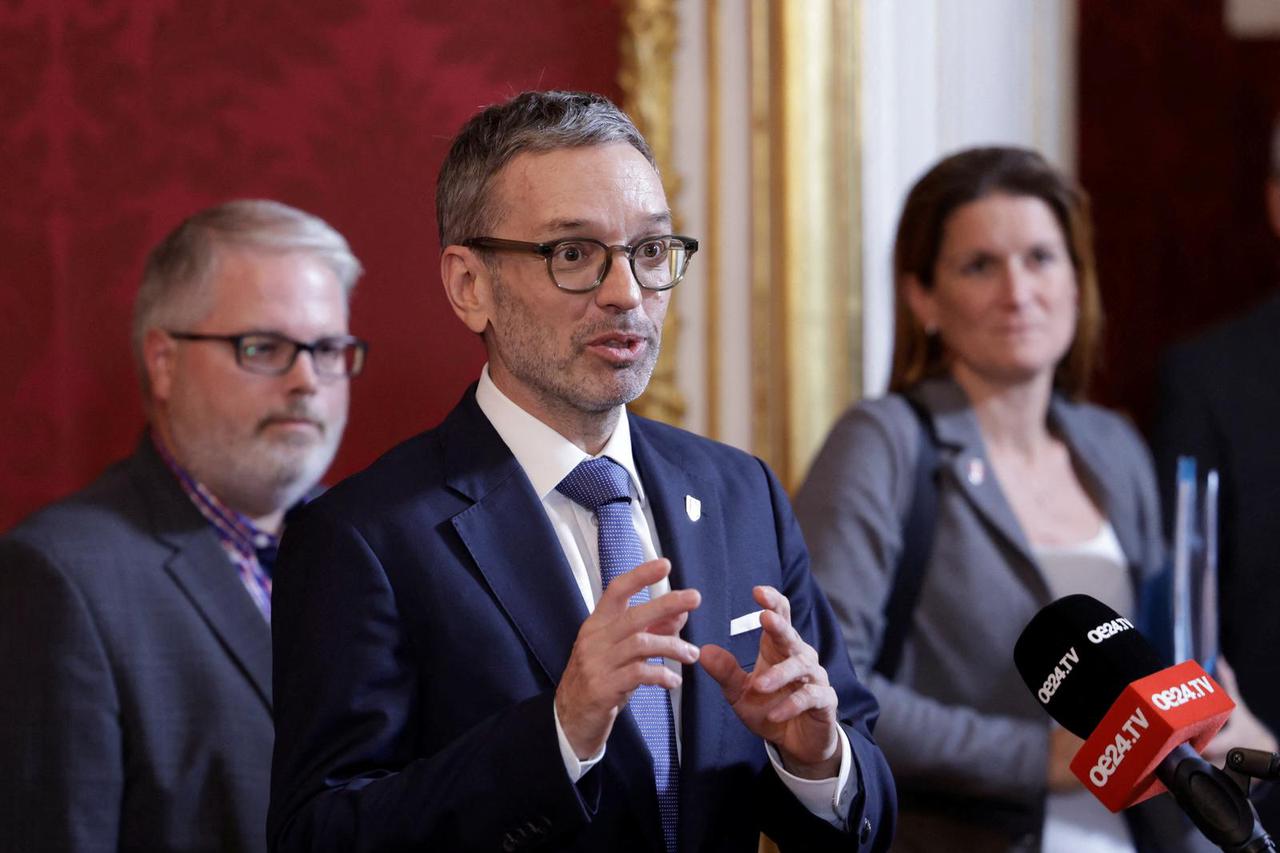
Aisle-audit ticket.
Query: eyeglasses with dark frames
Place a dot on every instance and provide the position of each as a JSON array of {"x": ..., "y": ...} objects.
[
  {"x": 581, "y": 264},
  {"x": 273, "y": 354}
]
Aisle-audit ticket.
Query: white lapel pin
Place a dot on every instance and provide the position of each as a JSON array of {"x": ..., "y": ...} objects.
[
  {"x": 693, "y": 507},
  {"x": 977, "y": 472}
]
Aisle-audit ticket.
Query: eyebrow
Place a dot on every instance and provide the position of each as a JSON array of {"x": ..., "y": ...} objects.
[{"x": 558, "y": 226}]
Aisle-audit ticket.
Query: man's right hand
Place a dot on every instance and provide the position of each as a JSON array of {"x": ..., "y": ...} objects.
[{"x": 610, "y": 658}]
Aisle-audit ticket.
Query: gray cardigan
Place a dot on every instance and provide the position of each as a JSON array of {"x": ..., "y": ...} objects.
[{"x": 957, "y": 717}]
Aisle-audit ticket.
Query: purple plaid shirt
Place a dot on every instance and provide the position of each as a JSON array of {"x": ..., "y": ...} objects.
[{"x": 240, "y": 537}]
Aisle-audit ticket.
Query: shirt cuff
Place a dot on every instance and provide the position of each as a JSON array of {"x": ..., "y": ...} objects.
[
  {"x": 825, "y": 798},
  {"x": 574, "y": 766}
]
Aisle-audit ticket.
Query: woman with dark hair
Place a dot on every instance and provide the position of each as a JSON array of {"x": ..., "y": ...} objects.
[{"x": 1036, "y": 494}]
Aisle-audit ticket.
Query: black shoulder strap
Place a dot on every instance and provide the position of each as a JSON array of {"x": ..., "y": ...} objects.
[{"x": 917, "y": 545}]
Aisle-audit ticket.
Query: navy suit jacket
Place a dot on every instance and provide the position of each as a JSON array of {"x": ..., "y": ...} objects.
[{"x": 424, "y": 613}]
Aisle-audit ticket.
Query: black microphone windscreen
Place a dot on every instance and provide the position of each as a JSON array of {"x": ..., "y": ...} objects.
[{"x": 1077, "y": 655}]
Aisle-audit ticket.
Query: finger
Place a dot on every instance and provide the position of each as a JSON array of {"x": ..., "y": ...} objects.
[
  {"x": 618, "y": 596},
  {"x": 786, "y": 638},
  {"x": 643, "y": 672},
  {"x": 770, "y": 599},
  {"x": 607, "y": 634},
  {"x": 646, "y": 646},
  {"x": 672, "y": 625},
  {"x": 609, "y": 684},
  {"x": 664, "y": 608},
  {"x": 805, "y": 698},
  {"x": 617, "y": 684},
  {"x": 792, "y": 670},
  {"x": 721, "y": 665}
]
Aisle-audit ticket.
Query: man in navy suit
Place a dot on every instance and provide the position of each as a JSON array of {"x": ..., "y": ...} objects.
[{"x": 457, "y": 665}]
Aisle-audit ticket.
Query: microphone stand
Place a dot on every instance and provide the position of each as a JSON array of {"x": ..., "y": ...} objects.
[
  {"x": 1217, "y": 800},
  {"x": 1243, "y": 764}
]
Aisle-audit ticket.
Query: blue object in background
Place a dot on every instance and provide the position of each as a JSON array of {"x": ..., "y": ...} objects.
[{"x": 1179, "y": 607}]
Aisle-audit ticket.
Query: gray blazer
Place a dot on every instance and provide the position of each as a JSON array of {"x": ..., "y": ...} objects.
[
  {"x": 135, "y": 676},
  {"x": 957, "y": 717}
]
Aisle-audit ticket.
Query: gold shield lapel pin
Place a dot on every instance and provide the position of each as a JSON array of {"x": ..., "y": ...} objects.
[{"x": 693, "y": 507}]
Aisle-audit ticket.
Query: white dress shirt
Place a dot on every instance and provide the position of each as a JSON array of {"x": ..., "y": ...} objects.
[{"x": 547, "y": 458}]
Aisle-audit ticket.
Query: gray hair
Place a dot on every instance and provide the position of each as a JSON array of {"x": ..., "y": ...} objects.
[
  {"x": 174, "y": 289},
  {"x": 531, "y": 121}
]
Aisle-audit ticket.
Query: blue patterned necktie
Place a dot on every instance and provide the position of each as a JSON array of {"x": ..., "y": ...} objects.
[{"x": 601, "y": 485}]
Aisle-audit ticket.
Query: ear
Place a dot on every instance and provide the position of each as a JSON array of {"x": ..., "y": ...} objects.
[
  {"x": 1273, "y": 204},
  {"x": 159, "y": 359},
  {"x": 921, "y": 301},
  {"x": 468, "y": 286}
]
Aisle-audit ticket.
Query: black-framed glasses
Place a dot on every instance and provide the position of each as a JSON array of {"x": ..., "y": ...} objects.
[
  {"x": 580, "y": 264},
  {"x": 273, "y": 354}
]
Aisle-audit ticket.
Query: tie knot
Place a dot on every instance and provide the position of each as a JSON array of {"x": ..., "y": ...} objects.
[{"x": 596, "y": 482}]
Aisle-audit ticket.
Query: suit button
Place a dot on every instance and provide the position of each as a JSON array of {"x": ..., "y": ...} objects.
[
  {"x": 864, "y": 831},
  {"x": 515, "y": 839}
]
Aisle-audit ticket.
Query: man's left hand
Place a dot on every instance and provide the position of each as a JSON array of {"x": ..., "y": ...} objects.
[{"x": 786, "y": 699}]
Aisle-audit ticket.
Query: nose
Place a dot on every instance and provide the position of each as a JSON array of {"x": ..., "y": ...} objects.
[
  {"x": 302, "y": 376},
  {"x": 619, "y": 291},
  {"x": 1019, "y": 282}
]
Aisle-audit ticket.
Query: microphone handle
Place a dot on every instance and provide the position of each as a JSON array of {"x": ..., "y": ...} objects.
[{"x": 1214, "y": 802}]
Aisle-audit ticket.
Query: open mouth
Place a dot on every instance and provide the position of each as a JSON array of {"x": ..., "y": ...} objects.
[{"x": 617, "y": 346}]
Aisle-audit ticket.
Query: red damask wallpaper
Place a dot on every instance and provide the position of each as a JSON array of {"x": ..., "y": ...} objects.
[
  {"x": 120, "y": 117},
  {"x": 1175, "y": 116}
]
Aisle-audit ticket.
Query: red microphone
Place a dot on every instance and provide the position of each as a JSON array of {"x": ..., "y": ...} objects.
[
  {"x": 1143, "y": 723},
  {"x": 1146, "y": 722}
]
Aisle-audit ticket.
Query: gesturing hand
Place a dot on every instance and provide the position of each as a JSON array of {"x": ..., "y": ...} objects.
[
  {"x": 610, "y": 658},
  {"x": 786, "y": 699}
]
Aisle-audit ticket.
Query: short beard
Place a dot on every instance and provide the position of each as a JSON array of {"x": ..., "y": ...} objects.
[
  {"x": 548, "y": 378},
  {"x": 262, "y": 478}
]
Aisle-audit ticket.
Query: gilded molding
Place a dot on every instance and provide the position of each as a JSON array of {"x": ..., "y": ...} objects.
[
  {"x": 806, "y": 254},
  {"x": 647, "y": 80},
  {"x": 712, "y": 263},
  {"x": 766, "y": 336}
]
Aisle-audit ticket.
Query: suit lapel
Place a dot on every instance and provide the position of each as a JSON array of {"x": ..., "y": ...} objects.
[
  {"x": 697, "y": 550},
  {"x": 964, "y": 461},
  {"x": 958, "y": 430},
  {"x": 507, "y": 533},
  {"x": 1094, "y": 460},
  {"x": 220, "y": 597},
  {"x": 201, "y": 569}
]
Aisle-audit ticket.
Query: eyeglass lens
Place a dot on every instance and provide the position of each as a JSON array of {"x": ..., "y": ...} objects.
[
  {"x": 335, "y": 357},
  {"x": 580, "y": 264}
]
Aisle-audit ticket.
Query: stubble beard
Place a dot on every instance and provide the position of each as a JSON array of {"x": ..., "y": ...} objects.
[
  {"x": 568, "y": 383},
  {"x": 257, "y": 474}
]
